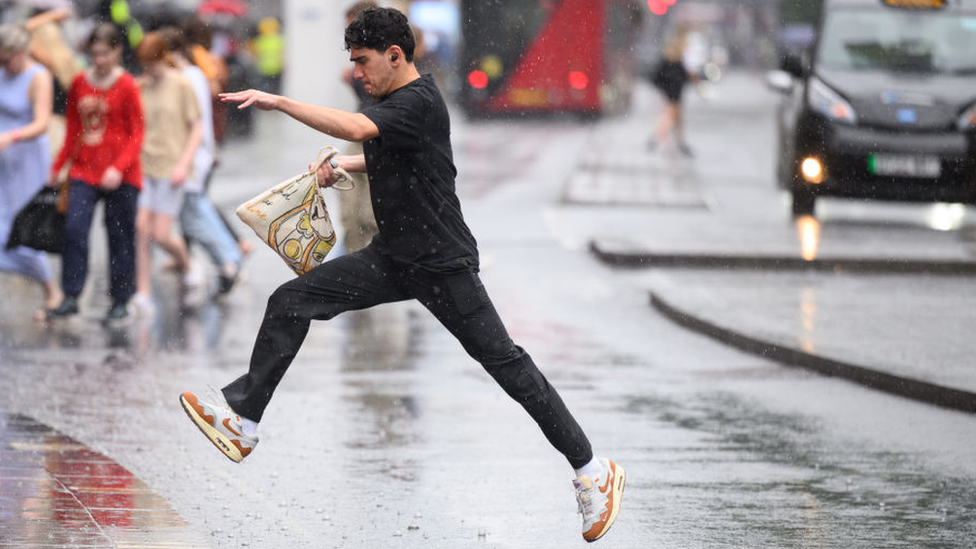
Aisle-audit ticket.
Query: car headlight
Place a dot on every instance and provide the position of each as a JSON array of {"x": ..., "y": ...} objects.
[
  {"x": 967, "y": 120},
  {"x": 828, "y": 103}
]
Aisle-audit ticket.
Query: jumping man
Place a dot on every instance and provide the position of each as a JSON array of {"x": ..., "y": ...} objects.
[{"x": 424, "y": 251}]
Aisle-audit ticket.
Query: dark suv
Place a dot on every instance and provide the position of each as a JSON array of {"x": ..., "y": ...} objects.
[{"x": 883, "y": 106}]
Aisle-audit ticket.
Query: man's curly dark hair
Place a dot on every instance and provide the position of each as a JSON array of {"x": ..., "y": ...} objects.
[{"x": 378, "y": 29}]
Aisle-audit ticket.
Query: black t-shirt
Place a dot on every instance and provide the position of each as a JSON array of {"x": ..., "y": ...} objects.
[{"x": 411, "y": 180}]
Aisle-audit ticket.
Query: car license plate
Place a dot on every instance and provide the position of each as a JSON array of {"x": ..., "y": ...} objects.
[{"x": 905, "y": 165}]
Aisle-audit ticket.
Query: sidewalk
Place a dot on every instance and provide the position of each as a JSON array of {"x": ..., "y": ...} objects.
[
  {"x": 56, "y": 492},
  {"x": 882, "y": 294}
]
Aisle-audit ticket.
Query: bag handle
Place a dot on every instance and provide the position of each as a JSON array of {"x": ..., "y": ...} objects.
[{"x": 321, "y": 158}]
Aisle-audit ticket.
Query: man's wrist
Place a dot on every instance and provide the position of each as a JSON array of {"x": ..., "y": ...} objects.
[
  {"x": 15, "y": 136},
  {"x": 278, "y": 103}
]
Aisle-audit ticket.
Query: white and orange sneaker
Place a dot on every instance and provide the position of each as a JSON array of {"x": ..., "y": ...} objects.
[
  {"x": 221, "y": 425},
  {"x": 599, "y": 499}
]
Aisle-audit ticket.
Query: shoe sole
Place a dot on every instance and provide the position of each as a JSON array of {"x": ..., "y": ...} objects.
[
  {"x": 49, "y": 315},
  {"x": 218, "y": 439},
  {"x": 619, "y": 477},
  {"x": 117, "y": 322}
]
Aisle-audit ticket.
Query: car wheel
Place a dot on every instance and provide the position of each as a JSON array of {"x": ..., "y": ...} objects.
[{"x": 804, "y": 202}]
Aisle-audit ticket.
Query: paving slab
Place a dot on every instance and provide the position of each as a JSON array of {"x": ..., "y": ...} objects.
[{"x": 56, "y": 492}]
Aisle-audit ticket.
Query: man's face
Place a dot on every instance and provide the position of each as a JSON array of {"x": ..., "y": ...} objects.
[{"x": 372, "y": 68}]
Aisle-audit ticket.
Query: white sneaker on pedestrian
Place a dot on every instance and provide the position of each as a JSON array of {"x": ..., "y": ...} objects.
[
  {"x": 194, "y": 288},
  {"x": 142, "y": 305},
  {"x": 193, "y": 276}
]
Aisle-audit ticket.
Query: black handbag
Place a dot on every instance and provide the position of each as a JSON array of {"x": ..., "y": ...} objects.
[{"x": 39, "y": 225}]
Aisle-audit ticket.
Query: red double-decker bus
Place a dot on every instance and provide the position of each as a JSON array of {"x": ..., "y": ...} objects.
[{"x": 547, "y": 56}]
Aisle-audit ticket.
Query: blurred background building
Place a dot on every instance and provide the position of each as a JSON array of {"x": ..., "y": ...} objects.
[{"x": 491, "y": 56}]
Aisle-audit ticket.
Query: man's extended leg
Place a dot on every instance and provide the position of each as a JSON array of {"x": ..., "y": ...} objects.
[
  {"x": 354, "y": 281},
  {"x": 462, "y": 305}
]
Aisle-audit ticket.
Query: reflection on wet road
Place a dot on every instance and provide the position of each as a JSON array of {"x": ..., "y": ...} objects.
[
  {"x": 808, "y": 229},
  {"x": 55, "y": 492}
]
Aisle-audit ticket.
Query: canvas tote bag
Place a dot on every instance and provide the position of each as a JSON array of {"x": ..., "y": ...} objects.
[{"x": 292, "y": 219}]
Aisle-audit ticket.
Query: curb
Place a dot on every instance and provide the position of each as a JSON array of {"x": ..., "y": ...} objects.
[
  {"x": 783, "y": 263},
  {"x": 922, "y": 391}
]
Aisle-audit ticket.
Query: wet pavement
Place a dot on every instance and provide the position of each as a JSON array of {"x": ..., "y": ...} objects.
[
  {"x": 869, "y": 330},
  {"x": 879, "y": 293},
  {"x": 384, "y": 434},
  {"x": 56, "y": 492}
]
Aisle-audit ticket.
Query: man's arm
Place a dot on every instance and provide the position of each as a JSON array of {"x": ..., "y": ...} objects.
[
  {"x": 328, "y": 177},
  {"x": 340, "y": 124},
  {"x": 353, "y": 164}
]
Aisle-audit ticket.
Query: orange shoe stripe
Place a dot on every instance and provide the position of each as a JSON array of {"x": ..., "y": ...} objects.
[
  {"x": 229, "y": 428},
  {"x": 192, "y": 400},
  {"x": 244, "y": 450},
  {"x": 600, "y": 528}
]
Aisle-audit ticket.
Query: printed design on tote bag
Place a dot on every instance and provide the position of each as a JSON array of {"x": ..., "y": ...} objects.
[{"x": 292, "y": 219}]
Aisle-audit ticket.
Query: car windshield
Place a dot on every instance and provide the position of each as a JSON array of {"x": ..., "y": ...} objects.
[{"x": 899, "y": 40}]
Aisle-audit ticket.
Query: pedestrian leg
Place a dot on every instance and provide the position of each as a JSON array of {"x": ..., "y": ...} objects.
[
  {"x": 120, "y": 222},
  {"x": 82, "y": 199},
  {"x": 200, "y": 223}
]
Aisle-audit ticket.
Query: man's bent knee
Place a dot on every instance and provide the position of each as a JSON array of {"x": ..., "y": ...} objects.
[{"x": 285, "y": 301}]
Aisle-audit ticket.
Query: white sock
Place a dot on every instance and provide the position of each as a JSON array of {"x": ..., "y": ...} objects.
[
  {"x": 250, "y": 427},
  {"x": 593, "y": 469}
]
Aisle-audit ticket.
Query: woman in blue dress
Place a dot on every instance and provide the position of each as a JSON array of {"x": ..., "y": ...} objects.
[{"x": 25, "y": 108}]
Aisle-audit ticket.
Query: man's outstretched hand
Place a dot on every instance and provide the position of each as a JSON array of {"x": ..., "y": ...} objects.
[{"x": 262, "y": 100}]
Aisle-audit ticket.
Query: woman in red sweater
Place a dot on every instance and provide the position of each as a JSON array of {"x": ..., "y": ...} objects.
[{"x": 103, "y": 142}]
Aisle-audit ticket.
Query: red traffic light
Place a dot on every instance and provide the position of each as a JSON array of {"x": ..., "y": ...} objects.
[
  {"x": 478, "y": 79},
  {"x": 578, "y": 80},
  {"x": 660, "y": 7}
]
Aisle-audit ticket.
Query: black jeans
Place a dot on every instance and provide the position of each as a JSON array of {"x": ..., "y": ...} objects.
[{"x": 459, "y": 301}]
